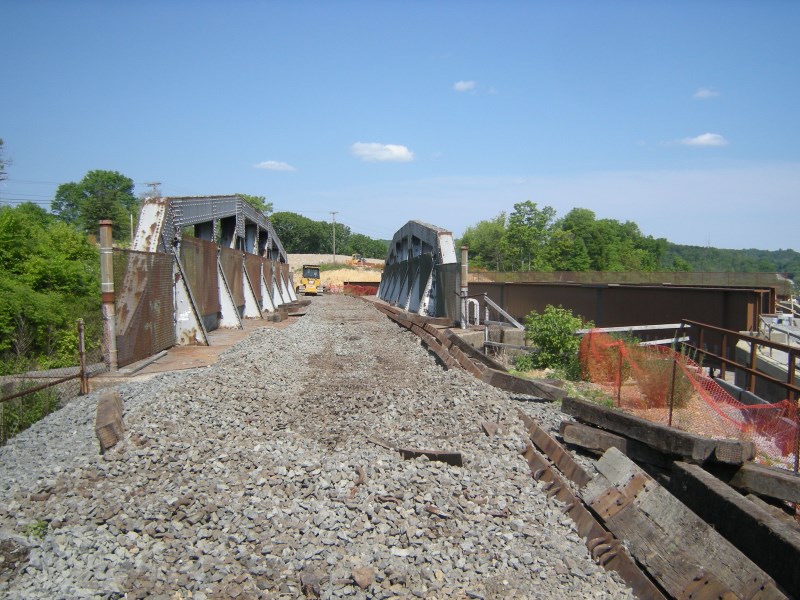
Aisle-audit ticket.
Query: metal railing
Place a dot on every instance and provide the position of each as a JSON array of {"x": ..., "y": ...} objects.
[{"x": 698, "y": 344}]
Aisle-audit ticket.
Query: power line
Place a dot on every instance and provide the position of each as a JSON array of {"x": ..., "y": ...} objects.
[{"x": 34, "y": 181}]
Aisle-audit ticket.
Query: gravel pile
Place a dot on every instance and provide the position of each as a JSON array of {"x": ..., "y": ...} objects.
[{"x": 259, "y": 477}]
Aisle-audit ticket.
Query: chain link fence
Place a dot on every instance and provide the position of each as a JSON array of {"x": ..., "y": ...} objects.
[{"x": 29, "y": 392}]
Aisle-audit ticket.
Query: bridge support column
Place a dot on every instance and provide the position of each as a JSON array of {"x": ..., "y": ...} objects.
[{"x": 107, "y": 291}]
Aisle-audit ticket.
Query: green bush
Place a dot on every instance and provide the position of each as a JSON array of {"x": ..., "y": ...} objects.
[
  {"x": 523, "y": 362},
  {"x": 553, "y": 335}
]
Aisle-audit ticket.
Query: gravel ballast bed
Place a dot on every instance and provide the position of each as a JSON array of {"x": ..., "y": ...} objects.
[{"x": 255, "y": 478}]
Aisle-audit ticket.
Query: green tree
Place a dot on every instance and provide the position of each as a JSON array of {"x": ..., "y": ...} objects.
[
  {"x": 258, "y": 202},
  {"x": 527, "y": 236},
  {"x": 301, "y": 235},
  {"x": 484, "y": 240},
  {"x": 49, "y": 277},
  {"x": 359, "y": 243},
  {"x": 99, "y": 195},
  {"x": 566, "y": 252},
  {"x": 611, "y": 245}
]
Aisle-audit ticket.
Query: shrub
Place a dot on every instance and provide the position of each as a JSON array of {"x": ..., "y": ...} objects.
[
  {"x": 553, "y": 334},
  {"x": 523, "y": 362}
]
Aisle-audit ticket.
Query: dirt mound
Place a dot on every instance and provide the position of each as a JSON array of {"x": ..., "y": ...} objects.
[{"x": 336, "y": 276}]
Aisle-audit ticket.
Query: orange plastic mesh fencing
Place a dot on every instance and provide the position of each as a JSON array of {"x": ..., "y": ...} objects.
[{"x": 664, "y": 386}]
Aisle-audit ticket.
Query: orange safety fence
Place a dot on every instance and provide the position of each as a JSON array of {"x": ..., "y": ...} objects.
[{"x": 668, "y": 387}]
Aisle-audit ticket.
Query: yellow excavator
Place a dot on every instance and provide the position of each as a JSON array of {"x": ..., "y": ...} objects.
[{"x": 310, "y": 283}]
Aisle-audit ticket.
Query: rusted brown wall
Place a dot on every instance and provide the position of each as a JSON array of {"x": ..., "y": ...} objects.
[{"x": 619, "y": 305}]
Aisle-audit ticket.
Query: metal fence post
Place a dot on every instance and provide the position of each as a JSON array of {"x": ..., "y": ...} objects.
[
  {"x": 82, "y": 357},
  {"x": 619, "y": 376},
  {"x": 672, "y": 386},
  {"x": 107, "y": 290}
]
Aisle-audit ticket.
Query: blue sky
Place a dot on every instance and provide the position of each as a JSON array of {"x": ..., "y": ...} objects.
[{"x": 679, "y": 116}]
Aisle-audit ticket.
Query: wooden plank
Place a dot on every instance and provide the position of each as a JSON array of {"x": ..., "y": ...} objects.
[
  {"x": 109, "y": 426},
  {"x": 451, "y": 458},
  {"x": 775, "y": 511},
  {"x": 692, "y": 448},
  {"x": 518, "y": 385},
  {"x": 473, "y": 353},
  {"x": 598, "y": 441},
  {"x": 771, "y": 544},
  {"x": 670, "y": 541},
  {"x": 766, "y": 481}
]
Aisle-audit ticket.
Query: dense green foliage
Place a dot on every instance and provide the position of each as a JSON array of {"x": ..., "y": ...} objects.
[
  {"x": 99, "y": 195},
  {"x": 49, "y": 277},
  {"x": 533, "y": 239},
  {"x": 301, "y": 235},
  {"x": 716, "y": 260},
  {"x": 552, "y": 333}
]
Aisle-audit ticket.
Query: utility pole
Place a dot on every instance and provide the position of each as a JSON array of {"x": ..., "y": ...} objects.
[{"x": 333, "y": 212}]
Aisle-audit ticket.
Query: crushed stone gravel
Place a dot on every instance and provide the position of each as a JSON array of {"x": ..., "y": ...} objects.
[{"x": 259, "y": 477}]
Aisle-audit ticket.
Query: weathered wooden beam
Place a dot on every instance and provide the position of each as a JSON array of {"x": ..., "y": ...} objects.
[
  {"x": 109, "y": 426},
  {"x": 762, "y": 480},
  {"x": 598, "y": 441},
  {"x": 605, "y": 549},
  {"x": 519, "y": 385},
  {"x": 692, "y": 448},
  {"x": 451, "y": 458},
  {"x": 775, "y": 511},
  {"x": 769, "y": 542},
  {"x": 474, "y": 353},
  {"x": 687, "y": 557}
]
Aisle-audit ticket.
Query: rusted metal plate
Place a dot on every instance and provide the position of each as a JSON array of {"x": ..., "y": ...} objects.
[
  {"x": 560, "y": 457},
  {"x": 233, "y": 267},
  {"x": 613, "y": 500},
  {"x": 144, "y": 304},
  {"x": 252, "y": 263},
  {"x": 199, "y": 260}
]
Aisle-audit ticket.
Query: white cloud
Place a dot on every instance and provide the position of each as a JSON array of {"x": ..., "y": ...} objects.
[
  {"x": 275, "y": 165},
  {"x": 374, "y": 152},
  {"x": 705, "y": 94},
  {"x": 464, "y": 86},
  {"x": 705, "y": 139}
]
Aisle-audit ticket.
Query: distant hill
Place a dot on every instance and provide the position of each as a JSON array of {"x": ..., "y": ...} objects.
[{"x": 711, "y": 260}]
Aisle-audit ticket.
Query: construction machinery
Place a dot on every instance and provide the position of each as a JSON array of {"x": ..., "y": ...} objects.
[
  {"x": 357, "y": 260},
  {"x": 310, "y": 283}
]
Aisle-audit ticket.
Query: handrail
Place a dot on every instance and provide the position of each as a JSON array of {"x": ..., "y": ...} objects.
[
  {"x": 792, "y": 352},
  {"x": 496, "y": 307}
]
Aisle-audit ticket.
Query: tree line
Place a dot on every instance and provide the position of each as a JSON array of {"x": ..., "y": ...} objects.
[
  {"x": 301, "y": 235},
  {"x": 534, "y": 239}
]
